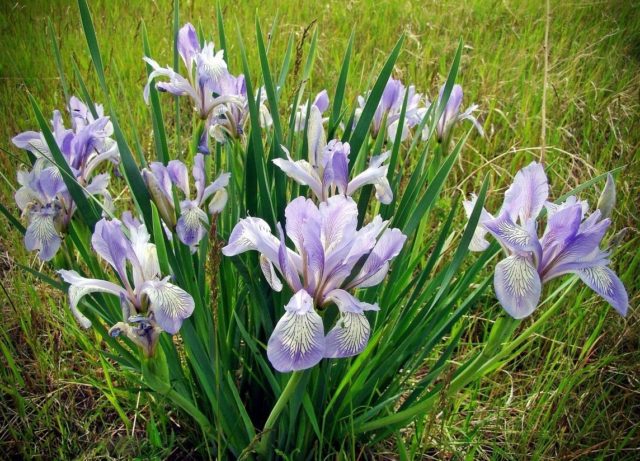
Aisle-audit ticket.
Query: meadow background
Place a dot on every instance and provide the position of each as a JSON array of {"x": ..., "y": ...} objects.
[{"x": 575, "y": 390}]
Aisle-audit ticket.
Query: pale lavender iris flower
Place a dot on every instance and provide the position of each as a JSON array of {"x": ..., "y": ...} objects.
[
  {"x": 43, "y": 196},
  {"x": 320, "y": 271},
  {"x": 150, "y": 303},
  {"x": 229, "y": 120},
  {"x": 569, "y": 244},
  {"x": 192, "y": 224},
  {"x": 390, "y": 106},
  {"x": 452, "y": 116},
  {"x": 327, "y": 170},
  {"x": 205, "y": 68}
]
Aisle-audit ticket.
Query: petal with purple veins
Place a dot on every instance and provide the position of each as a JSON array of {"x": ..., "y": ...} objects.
[
  {"x": 169, "y": 303},
  {"x": 517, "y": 286},
  {"x": 606, "y": 283},
  {"x": 297, "y": 342}
]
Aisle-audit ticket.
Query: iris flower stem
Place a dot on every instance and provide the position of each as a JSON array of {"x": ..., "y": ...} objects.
[
  {"x": 482, "y": 364},
  {"x": 284, "y": 398}
]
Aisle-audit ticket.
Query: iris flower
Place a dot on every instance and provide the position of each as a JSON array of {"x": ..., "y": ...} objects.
[
  {"x": 327, "y": 171},
  {"x": 43, "y": 196},
  {"x": 150, "y": 303},
  {"x": 569, "y": 244},
  {"x": 320, "y": 271},
  {"x": 390, "y": 106},
  {"x": 192, "y": 224},
  {"x": 452, "y": 116},
  {"x": 229, "y": 120}
]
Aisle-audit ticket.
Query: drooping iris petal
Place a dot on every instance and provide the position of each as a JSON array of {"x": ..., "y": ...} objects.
[
  {"x": 81, "y": 286},
  {"x": 511, "y": 235},
  {"x": 169, "y": 303},
  {"x": 217, "y": 185},
  {"x": 606, "y": 283},
  {"x": 300, "y": 171},
  {"x": 41, "y": 233},
  {"x": 252, "y": 234},
  {"x": 297, "y": 342},
  {"x": 191, "y": 224},
  {"x": 177, "y": 84},
  {"x": 527, "y": 195},
  {"x": 375, "y": 174},
  {"x": 350, "y": 334},
  {"x": 517, "y": 286}
]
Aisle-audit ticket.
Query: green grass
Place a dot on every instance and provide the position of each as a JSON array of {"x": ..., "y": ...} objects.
[{"x": 573, "y": 390}]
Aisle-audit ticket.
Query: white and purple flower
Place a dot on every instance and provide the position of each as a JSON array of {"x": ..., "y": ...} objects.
[
  {"x": 149, "y": 301},
  {"x": 389, "y": 108},
  {"x": 320, "y": 271},
  {"x": 452, "y": 116},
  {"x": 569, "y": 244},
  {"x": 192, "y": 224},
  {"x": 327, "y": 170},
  {"x": 43, "y": 196}
]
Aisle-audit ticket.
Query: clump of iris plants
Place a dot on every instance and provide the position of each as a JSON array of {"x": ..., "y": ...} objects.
[{"x": 229, "y": 265}]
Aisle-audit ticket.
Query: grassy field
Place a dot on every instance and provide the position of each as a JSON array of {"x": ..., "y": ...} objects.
[{"x": 575, "y": 390}]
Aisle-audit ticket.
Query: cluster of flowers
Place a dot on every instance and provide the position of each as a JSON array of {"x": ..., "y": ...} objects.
[
  {"x": 43, "y": 196},
  {"x": 150, "y": 303},
  {"x": 330, "y": 257},
  {"x": 219, "y": 98}
]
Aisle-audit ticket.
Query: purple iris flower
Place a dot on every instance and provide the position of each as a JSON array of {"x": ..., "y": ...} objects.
[
  {"x": 321, "y": 101},
  {"x": 43, "y": 196},
  {"x": 147, "y": 298},
  {"x": 390, "y": 105},
  {"x": 320, "y": 271},
  {"x": 192, "y": 224},
  {"x": 327, "y": 171},
  {"x": 569, "y": 244},
  {"x": 452, "y": 115},
  {"x": 229, "y": 120},
  {"x": 205, "y": 69}
]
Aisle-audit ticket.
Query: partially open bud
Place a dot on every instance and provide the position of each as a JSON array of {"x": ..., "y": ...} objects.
[
  {"x": 165, "y": 207},
  {"x": 607, "y": 200}
]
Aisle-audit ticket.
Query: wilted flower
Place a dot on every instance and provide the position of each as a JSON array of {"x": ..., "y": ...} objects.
[
  {"x": 148, "y": 300},
  {"x": 451, "y": 115},
  {"x": 327, "y": 170},
  {"x": 321, "y": 101},
  {"x": 320, "y": 271},
  {"x": 192, "y": 223},
  {"x": 43, "y": 196},
  {"x": 390, "y": 106},
  {"x": 570, "y": 244}
]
